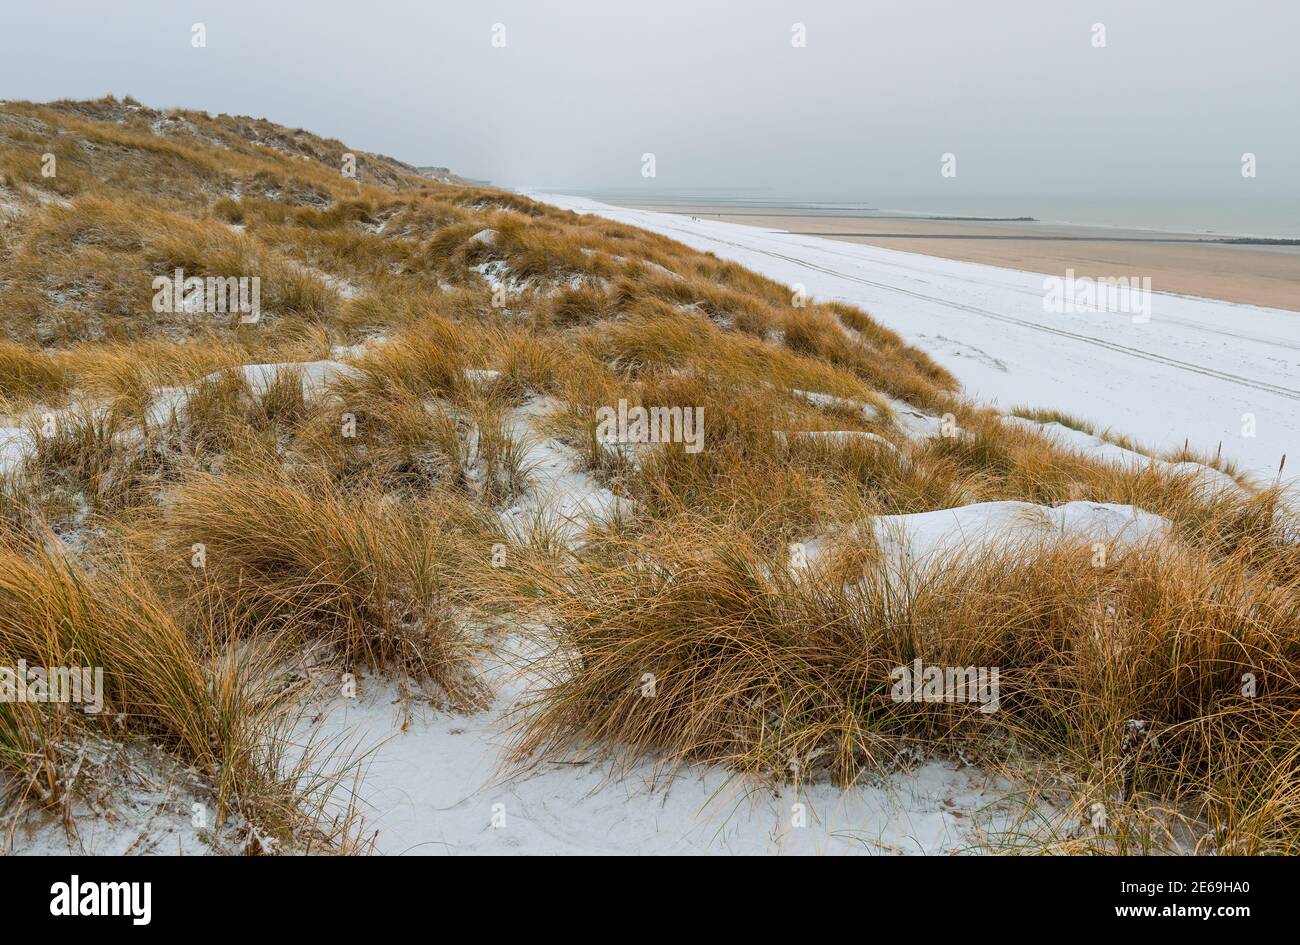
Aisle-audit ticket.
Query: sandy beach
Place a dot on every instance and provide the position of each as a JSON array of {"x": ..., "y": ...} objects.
[{"x": 1182, "y": 263}]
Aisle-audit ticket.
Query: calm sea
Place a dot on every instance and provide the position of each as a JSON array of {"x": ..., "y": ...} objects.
[{"x": 1270, "y": 217}]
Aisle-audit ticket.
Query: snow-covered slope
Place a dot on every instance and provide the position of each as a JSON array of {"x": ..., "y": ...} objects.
[{"x": 1194, "y": 370}]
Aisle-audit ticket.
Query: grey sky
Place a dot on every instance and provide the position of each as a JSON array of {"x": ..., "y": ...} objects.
[{"x": 717, "y": 92}]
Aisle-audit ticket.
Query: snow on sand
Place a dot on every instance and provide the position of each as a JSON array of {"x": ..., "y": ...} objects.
[{"x": 440, "y": 787}]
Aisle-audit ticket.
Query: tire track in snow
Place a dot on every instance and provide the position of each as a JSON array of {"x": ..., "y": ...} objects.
[{"x": 1271, "y": 341}]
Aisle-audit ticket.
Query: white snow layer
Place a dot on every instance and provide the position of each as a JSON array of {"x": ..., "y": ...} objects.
[
  {"x": 1097, "y": 448},
  {"x": 930, "y": 537},
  {"x": 913, "y": 543},
  {"x": 561, "y": 500},
  {"x": 440, "y": 787},
  {"x": 14, "y": 444}
]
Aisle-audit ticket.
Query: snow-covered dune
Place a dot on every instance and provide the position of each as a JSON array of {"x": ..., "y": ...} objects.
[{"x": 1195, "y": 370}]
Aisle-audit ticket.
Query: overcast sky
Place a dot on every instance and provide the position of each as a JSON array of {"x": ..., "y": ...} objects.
[{"x": 718, "y": 92}]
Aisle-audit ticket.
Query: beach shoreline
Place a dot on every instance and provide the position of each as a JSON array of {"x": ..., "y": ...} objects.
[{"x": 1262, "y": 271}]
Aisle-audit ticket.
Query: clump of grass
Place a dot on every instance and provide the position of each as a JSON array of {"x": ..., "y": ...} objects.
[
  {"x": 30, "y": 375},
  {"x": 19, "y": 513},
  {"x": 214, "y": 417},
  {"x": 529, "y": 365},
  {"x": 584, "y": 386},
  {"x": 82, "y": 450},
  {"x": 394, "y": 440},
  {"x": 746, "y": 470},
  {"x": 976, "y": 453},
  {"x": 220, "y": 706},
  {"x": 429, "y": 360},
  {"x": 351, "y": 571},
  {"x": 755, "y": 666},
  {"x": 283, "y": 405},
  {"x": 583, "y": 304},
  {"x": 499, "y": 453},
  {"x": 291, "y": 291}
]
